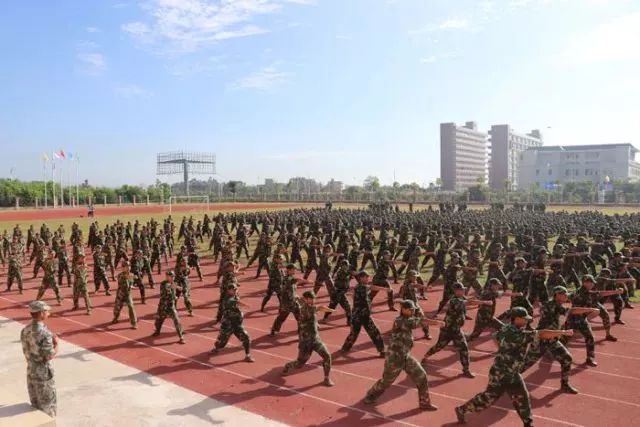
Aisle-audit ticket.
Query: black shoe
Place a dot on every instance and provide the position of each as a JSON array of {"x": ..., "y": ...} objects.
[
  {"x": 568, "y": 388},
  {"x": 592, "y": 362},
  {"x": 611, "y": 338},
  {"x": 468, "y": 374},
  {"x": 619, "y": 322}
]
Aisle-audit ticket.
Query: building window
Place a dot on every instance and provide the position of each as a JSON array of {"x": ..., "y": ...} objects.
[
  {"x": 537, "y": 172},
  {"x": 550, "y": 171},
  {"x": 567, "y": 172}
]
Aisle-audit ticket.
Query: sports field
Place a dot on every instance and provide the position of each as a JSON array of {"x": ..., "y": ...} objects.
[{"x": 608, "y": 393}]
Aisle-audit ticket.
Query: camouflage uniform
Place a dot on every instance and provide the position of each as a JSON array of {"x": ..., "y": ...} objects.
[
  {"x": 167, "y": 308},
  {"x": 184, "y": 287},
  {"x": 275, "y": 283},
  {"x": 49, "y": 280},
  {"x": 232, "y": 319},
  {"x": 504, "y": 375},
  {"x": 289, "y": 303},
  {"x": 15, "y": 271},
  {"x": 408, "y": 292},
  {"x": 361, "y": 317},
  {"x": 380, "y": 278},
  {"x": 63, "y": 265},
  {"x": 452, "y": 331},
  {"x": 99, "y": 272},
  {"x": 550, "y": 313},
  {"x": 485, "y": 315},
  {"x": 228, "y": 280},
  {"x": 309, "y": 341},
  {"x": 338, "y": 293},
  {"x": 80, "y": 287},
  {"x": 38, "y": 348},
  {"x": 136, "y": 271},
  {"x": 579, "y": 322},
  {"x": 123, "y": 296},
  {"x": 399, "y": 359}
]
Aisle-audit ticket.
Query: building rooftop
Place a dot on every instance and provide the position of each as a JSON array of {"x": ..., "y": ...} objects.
[{"x": 584, "y": 147}]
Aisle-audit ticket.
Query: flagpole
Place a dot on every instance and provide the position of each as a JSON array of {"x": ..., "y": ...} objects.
[
  {"x": 53, "y": 181},
  {"x": 44, "y": 179},
  {"x": 77, "y": 180},
  {"x": 61, "y": 188}
]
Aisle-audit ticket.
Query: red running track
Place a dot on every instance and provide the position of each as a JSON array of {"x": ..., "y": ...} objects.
[{"x": 608, "y": 393}]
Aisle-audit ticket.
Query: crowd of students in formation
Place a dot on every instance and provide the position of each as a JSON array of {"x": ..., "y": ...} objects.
[{"x": 363, "y": 253}]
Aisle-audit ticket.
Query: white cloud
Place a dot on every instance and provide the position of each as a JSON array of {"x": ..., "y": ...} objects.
[
  {"x": 92, "y": 63},
  {"x": 616, "y": 40},
  {"x": 188, "y": 25},
  {"x": 131, "y": 91},
  {"x": 266, "y": 80},
  {"x": 435, "y": 58},
  {"x": 449, "y": 24}
]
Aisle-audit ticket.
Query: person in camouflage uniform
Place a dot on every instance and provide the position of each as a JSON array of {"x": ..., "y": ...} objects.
[
  {"x": 550, "y": 313},
  {"x": 452, "y": 329},
  {"x": 471, "y": 271},
  {"x": 274, "y": 285},
  {"x": 586, "y": 297},
  {"x": 338, "y": 292},
  {"x": 520, "y": 279},
  {"x": 167, "y": 307},
  {"x": 228, "y": 278},
  {"x": 408, "y": 292},
  {"x": 63, "y": 263},
  {"x": 15, "y": 265},
  {"x": 136, "y": 272},
  {"x": 399, "y": 356},
  {"x": 193, "y": 259},
  {"x": 504, "y": 375},
  {"x": 289, "y": 302},
  {"x": 184, "y": 289},
  {"x": 361, "y": 316},
  {"x": 232, "y": 319},
  {"x": 39, "y": 254},
  {"x": 381, "y": 278},
  {"x": 80, "y": 285},
  {"x": 49, "y": 280},
  {"x": 123, "y": 296},
  {"x": 450, "y": 277},
  {"x": 604, "y": 282},
  {"x": 99, "y": 270},
  {"x": 309, "y": 338},
  {"x": 40, "y": 346},
  {"x": 323, "y": 277},
  {"x": 486, "y": 312}
]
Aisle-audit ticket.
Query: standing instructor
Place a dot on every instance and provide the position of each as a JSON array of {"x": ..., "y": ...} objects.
[{"x": 39, "y": 346}]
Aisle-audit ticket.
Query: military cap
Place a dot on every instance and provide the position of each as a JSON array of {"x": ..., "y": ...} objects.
[
  {"x": 519, "y": 259},
  {"x": 38, "y": 306},
  {"x": 291, "y": 266},
  {"x": 125, "y": 263},
  {"x": 385, "y": 253},
  {"x": 309, "y": 294},
  {"x": 232, "y": 286},
  {"x": 412, "y": 273},
  {"x": 407, "y": 303},
  {"x": 344, "y": 262},
  {"x": 542, "y": 251},
  {"x": 495, "y": 281},
  {"x": 520, "y": 312},
  {"x": 362, "y": 273},
  {"x": 455, "y": 255},
  {"x": 617, "y": 254},
  {"x": 458, "y": 285},
  {"x": 170, "y": 273},
  {"x": 560, "y": 290},
  {"x": 605, "y": 271},
  {"x": 588, "y": 278}
]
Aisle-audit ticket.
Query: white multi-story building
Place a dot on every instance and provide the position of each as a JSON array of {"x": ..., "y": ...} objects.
[
  {"x": 463, "y": 156},
  {"x": 546, "y": 167},
  {"x": 506, "y": 147}
]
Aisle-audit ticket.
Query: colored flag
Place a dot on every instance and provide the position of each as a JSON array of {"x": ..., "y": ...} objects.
[
  {"x": 62, "y": 154},
  {"x": 45, "y": 157},
  {"x": 56, "y": 155},
  {"x": 69, "y": 155}
]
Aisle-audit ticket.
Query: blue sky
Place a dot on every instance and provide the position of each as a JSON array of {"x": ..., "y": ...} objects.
[{"x": 325, "y": 89}]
